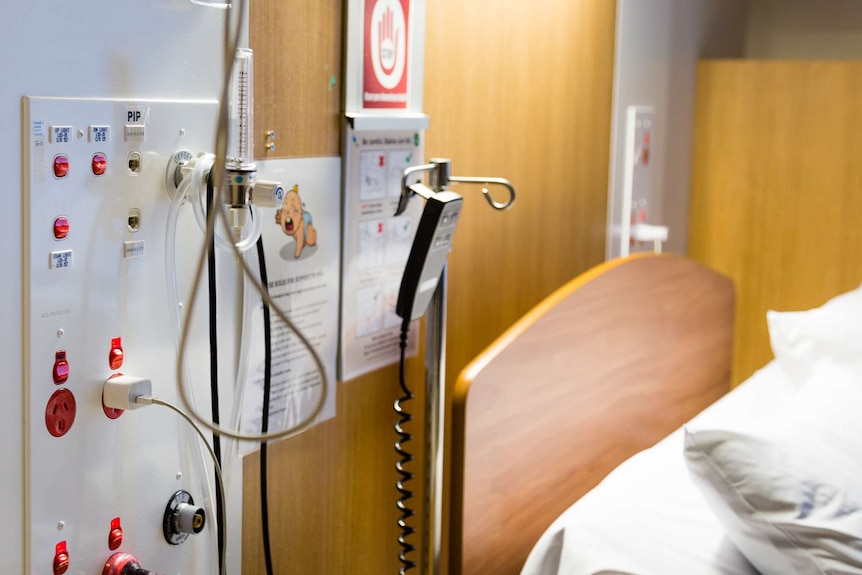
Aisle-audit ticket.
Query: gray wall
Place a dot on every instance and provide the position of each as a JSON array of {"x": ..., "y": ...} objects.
[
  {"x": 658, "y": 45},
  {"x": 803, "y": 29}
]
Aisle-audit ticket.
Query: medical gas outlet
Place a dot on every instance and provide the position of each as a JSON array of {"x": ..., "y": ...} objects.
[{"x": 182, "y": 518}]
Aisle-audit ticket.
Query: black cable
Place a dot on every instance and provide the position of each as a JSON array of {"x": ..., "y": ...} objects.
[
  {"x": 213, "y": 333},
  {"x": 406, "y": 457},
  {"x": 264, "y": 421}
]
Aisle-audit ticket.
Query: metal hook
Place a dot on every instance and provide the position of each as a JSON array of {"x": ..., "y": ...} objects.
[
  {"x": 406, "y": 189},
  {"x": 440, "y": 179},
  {"x": 490, "y": 181}
]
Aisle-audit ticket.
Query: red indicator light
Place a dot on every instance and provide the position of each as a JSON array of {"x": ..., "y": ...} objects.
[
  {"x": 61, "y": 166},
  {"x": 61, "y": 227},
  {"x": 61, "y": 558},
  {"x": 115, "y": 356},
  {"x": 115, "y": 537},
  {"x": 61, "y": 367},
  {"x": 100, "y": 164}
]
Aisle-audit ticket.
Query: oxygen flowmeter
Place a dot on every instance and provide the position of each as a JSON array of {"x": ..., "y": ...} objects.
[
  {"x": 240, "y": 170},
  {"x": 243, "y": 193}
]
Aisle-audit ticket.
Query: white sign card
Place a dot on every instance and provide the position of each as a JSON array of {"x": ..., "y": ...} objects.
[
  {"x": 376, "y": 246},
  {"x": 301, "y": 240}
]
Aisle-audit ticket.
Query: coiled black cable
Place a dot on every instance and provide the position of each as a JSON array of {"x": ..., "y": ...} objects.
[
  {"x": 214, "y": 395},
  {"x": 406, "y": 457},
  {"x": 264, "y": 420}
]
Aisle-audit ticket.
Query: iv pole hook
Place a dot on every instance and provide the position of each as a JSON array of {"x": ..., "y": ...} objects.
[
  {"x": 440, "y": 169},
  {"x": 487, "y": 182}
]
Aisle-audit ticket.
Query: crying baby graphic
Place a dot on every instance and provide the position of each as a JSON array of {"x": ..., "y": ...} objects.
[{"x": 295, "y": 221}]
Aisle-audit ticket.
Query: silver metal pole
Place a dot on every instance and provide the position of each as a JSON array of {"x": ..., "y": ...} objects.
[{"x": 435, "y": 413}]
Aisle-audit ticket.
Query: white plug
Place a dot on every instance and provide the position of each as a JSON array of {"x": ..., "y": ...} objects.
[
  {"x": 122, "y": 391},
  {"x": 649, "y": 233}
]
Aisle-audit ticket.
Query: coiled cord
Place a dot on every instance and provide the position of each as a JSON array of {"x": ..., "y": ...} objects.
[{"x": 406, "y": 457}]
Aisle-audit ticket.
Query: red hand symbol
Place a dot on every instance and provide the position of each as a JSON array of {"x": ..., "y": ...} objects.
[{"x": 387, "y": 44}]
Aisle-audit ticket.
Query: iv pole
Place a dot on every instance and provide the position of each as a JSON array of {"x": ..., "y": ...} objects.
[{"x": 435, "y": 362}]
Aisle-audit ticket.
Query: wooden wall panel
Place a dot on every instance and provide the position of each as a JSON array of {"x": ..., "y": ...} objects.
[
  {"x": 514, "y": 90},
  {"x": 521, "y": 90},
  {"x": 332, "y": 489},
  {"x": 297, "y": 76},
  {"x": 775, "y": 189}
]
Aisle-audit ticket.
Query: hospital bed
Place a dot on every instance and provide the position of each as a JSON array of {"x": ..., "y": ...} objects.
[{"x": 581, "y": 436}]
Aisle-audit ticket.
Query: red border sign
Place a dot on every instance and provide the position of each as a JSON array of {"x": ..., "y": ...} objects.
[{"x": 385, "y": 65}]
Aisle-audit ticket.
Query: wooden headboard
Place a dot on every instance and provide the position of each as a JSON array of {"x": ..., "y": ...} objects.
[{"x": 603, "y": 368}]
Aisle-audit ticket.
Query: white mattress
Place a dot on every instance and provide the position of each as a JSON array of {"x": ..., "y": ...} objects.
[{"x": 646, "y": 517}]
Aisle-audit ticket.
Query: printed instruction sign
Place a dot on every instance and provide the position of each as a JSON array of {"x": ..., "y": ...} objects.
[
  {"x": 376, "y": 246},
  {"x": 385, "y": 54},
  {"x": 301, "y": 239}
]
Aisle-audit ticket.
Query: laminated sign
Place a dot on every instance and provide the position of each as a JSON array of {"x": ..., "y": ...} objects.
[{"x": 385, "y": 64}]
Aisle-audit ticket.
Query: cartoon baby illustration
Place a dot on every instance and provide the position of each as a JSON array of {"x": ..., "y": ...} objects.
[{"x": 296, "y": 221}]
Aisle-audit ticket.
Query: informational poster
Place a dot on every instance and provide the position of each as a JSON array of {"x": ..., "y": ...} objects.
[
  {"x": 301, "y": 238},
  {"x": 376, "y": 246},
  {"x": 386, "y": 63}
]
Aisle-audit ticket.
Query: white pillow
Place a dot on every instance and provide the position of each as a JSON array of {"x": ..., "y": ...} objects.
[
  {"x": 834, "y": 330},
  {"x": 788, "y": 492}
]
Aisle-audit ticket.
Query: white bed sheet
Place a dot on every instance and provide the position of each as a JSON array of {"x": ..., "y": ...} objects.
[{"x": 646, "y": 517}]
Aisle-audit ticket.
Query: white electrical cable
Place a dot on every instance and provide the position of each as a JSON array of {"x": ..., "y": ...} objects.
[
  {"x": 148, "y": 400},
  {"x": 188, "y": 184},
  {"x": 218, "y": 173}
]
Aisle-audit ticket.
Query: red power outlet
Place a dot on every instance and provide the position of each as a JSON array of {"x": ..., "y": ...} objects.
[
  {"x": 111, "y": 412},
  {"x": 60, "y": 412}
]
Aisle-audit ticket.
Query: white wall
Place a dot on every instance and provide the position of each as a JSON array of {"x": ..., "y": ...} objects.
[
  {"x": 103, "y": 48},
  {"x": 658, "y": 43},
  {"x": 802, "y": 29}
]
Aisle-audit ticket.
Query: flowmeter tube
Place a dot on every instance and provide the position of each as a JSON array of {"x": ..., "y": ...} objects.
[{"x": 240, "y": 151}]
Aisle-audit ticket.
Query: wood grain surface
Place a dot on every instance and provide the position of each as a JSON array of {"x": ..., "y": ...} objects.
[
  {"x": 298, "y": 47},
  {"x": 775, "y": 199},
  {"x": 603, "y": 368},
  {"x": 521, "y": 90}
]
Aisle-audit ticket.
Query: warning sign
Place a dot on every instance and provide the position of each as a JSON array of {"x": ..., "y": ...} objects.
[{"x": 385, "y": 64}]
